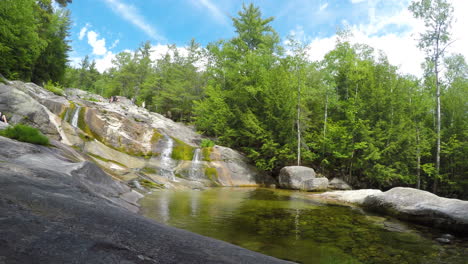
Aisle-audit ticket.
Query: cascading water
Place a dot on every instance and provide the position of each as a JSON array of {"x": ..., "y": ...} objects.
[
  {"x": 166, "y": 162},
  {"x": 195, "y": 171},
  {"x": 76, "y": 114}
]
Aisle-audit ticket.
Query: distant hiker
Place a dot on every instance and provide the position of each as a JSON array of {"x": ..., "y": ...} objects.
[
  {"x": 113, "y": 98},
  {"x": 3, "y": 118}
]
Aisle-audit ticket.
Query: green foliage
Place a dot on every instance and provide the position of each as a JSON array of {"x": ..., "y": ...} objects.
[
  {"x": 33, "y": 40},
  {"x": 26, "y": 134},
  {"x": 207, "y": 143},
  {"x": 206, "y": 152},
  {"x": 55, "y": 88},
  {"x": 182, "y": 151}
]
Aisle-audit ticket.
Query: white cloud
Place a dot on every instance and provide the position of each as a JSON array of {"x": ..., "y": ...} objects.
[
  {"x": 323, "y": 7},
  {"x": 131, "y": 14},
  {"x": 214, "y": 10},
  {"x": 99, "y": 45},
  {"x": 400, "y": 48},
  {"x": 104, "y": 63},
  {"x": 83, "y": 31},
  {"x": 357, "y": 1}
]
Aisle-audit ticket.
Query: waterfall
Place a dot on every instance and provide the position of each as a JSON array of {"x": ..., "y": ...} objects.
[
  {"x": 166, "y": 162},
  {"x": 76, "y": 114},
  {"x": 195, "y": 171}
]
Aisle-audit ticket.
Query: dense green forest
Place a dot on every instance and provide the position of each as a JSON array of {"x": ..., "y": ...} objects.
[{"x": 350, "y": 115}]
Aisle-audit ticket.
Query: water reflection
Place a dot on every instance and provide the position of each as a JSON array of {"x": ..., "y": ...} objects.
[{"x": 287, "y": 225}]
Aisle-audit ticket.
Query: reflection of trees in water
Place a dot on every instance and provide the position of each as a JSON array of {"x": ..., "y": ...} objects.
[{"x": 273, "y": 223}]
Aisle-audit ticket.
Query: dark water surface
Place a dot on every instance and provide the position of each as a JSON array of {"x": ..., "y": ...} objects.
[{"x": 287, "y": 225}]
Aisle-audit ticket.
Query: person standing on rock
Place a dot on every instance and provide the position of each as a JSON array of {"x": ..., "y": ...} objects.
[{"x": 3, "y": 118}]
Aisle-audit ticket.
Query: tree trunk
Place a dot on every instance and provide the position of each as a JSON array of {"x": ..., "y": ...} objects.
[
  {"x": 325, "y": 122},
  {"x": 418, "y": 157},
  {"x": 298, "y": 122},
  {"x": 438, "y": 132}
]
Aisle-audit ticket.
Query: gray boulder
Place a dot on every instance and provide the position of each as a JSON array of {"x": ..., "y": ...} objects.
[
  {"x": 422, "y": 207},
  {"x": 316, "y": 184},
  {"x": 299, "y": 178},
  {"x": 338, "y": 184},
  {"x": 352, "y": 196}
]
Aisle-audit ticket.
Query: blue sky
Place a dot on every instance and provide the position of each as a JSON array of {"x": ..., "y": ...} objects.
[{"x": 102, "y": 28}]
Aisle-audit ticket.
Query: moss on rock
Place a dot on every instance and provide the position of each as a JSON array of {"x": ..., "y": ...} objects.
[{"x": 182, "y": 151}]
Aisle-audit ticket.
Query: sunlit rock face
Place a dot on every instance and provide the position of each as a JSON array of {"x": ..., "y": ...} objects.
[
  {"x": 128, "y": 141},
  {"x": 421, "y": 206}
]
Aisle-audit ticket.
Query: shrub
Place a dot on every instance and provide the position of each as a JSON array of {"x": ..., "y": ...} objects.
[
  {"x": 26, "y": 134},
  {"x": 206, "y": 143},
  {"x": 55, "y": 88}
]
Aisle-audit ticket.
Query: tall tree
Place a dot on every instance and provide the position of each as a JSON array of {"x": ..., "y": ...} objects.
[{"x": 437, "y": 16}]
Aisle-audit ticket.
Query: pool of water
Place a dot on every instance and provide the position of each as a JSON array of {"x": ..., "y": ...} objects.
[{"x": 291, "y": 226}]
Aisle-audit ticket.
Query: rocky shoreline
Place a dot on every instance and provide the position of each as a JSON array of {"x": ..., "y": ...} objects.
[
  {"x": 56, "y": 207},
  {"x": 408, "y": 204}
]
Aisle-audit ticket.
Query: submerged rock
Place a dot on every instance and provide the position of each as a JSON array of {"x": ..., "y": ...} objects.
[{"x": 422, "y": 207}]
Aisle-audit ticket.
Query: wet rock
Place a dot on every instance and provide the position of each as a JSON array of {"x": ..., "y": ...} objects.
[
  {"x": 448, "y": 236},
  {"x": 294, "y": 177},
  {"x": 422, "y": 207},
  {"x": 443, "y": 240},
  {"x": 353, "y": 196},
  {"x": 338, "y": 184}
]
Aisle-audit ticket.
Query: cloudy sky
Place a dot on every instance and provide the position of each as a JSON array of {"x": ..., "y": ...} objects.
[{"x": 103, "y": 28}]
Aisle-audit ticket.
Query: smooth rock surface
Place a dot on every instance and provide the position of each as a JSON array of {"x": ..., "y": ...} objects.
[
  {"x": 422, "y": 207},
  {"x": 70, "y": 211},
  {"x": 293, "y": 177},
  {"x": 316, "y": 184},
  {"x": 338, "y": 184},
  {"x": 352, "y": 196}
]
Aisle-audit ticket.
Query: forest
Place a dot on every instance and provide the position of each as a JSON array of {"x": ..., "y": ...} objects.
[{"x": 351, "y": 115}]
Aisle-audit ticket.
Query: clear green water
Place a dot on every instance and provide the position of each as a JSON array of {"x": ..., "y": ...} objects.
[{"x": 287, "y": 225}]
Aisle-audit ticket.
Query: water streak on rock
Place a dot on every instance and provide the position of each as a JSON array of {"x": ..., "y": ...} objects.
[
  {"x": 166, "y": 161},
  {"x": 195, "y": 171},
  {"x": 76, "y": 114}
]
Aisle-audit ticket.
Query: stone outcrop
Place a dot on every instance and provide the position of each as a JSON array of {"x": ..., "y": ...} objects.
[
  {"x": 57, "y": 207},
  {"x": 422, "y": 207},
  {"x": 353, "y": 196},
  {"x": 301, "y": 178},
  {"x": 338, "y": 184},
  {"x": 126, "y": 139}
]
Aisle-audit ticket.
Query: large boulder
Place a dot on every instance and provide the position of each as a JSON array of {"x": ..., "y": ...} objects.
[
  {"x": 233, "y": 169},
  {"x": 301, "y": 178},
  {"x": 422, "y": 207},
  {"x": 22, "y": 108}
]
